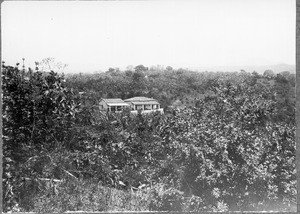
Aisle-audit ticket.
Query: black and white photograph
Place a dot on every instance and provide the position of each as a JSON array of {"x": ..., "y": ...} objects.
[{"x": 148, "y": 106}]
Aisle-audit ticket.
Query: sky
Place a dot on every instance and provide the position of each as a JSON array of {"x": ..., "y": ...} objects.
[{"x": 90, "y": 36}]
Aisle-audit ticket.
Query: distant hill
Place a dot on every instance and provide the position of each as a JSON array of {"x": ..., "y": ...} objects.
[{"x": 250, "y": 68}]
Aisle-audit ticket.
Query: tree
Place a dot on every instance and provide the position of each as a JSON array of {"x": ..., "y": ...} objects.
[
  {"x": 140, "y": 68},
  {"x": 221, "y": 151},
  {"x": 50, "y": 64},
  {"x": 234, "y": 151},
  {"x": 169, "y": 68},
  {"x": 130, "y": 68},
  {"x": 113, "y": 71},
  {"x": 38, "y": 118},
  {"x": 269, "y": 74}
]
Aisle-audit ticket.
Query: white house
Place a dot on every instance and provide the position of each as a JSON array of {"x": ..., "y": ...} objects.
[
  {"x": 145, "y": 104},
  {"x": 112, "y": 105}
]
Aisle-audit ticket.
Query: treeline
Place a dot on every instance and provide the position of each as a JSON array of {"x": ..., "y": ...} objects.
[
  {"x": 226, "y": 142},
  {"x": 177, "y": 88}
]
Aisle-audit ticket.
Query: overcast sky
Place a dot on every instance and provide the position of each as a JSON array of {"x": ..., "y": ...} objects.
[{"x": 96, "y": 35}]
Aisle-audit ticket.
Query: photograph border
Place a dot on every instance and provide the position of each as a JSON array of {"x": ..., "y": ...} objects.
[
  {"x": 297, "y": 138},
  {"x": 297, "y": 95}
]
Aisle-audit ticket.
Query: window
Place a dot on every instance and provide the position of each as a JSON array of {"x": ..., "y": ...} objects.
[
  {"x": 138, "y": 107},
  {"x": 113, "y": 108},
  {"x": 148, "y": 107}
]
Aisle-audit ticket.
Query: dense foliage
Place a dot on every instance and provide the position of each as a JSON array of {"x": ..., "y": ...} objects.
[{"x": 226, "y": 141}]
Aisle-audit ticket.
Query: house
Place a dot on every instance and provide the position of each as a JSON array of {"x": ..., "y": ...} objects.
[
  {"x": 112, "y": 105},
  {"x": 144, "y": 104}
]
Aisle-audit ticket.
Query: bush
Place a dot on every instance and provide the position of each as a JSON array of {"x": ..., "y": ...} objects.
[{"x": 88, "y": 196}]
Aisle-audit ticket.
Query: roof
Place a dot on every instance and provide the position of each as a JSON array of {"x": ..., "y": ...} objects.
[
  {"x": 145, "y": 102},
  {"x": 115, "y": 102},
  {"x": 140, "y": 99}
]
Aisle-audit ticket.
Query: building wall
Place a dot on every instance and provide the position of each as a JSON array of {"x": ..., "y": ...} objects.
[
  {"x": 148, "y": 111},
  {"x": 131, "y": 105},
  {"x": 105, "y": 106},
  {"x": 144, "y": 106}
]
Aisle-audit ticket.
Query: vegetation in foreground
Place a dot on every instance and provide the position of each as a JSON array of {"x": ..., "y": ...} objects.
[{"x": 226, "y": 142}]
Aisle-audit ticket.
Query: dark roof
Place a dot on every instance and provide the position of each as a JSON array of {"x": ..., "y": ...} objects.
[{"x": 140, "y": 99}]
